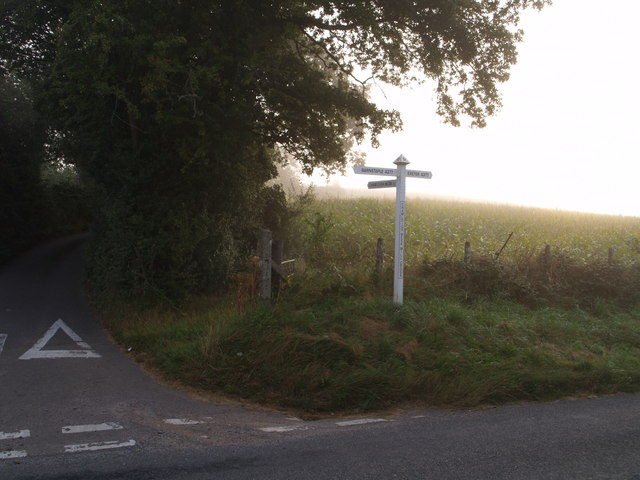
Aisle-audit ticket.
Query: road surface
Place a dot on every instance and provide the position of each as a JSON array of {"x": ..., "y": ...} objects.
[{"x": 72, "y": 406}]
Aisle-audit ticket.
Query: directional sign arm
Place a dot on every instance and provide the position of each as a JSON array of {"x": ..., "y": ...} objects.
[
  {"x": 390, "y": 172},
  {"x": 419, "y": 174},
  {"x": 382, "y": 184},
  {"x": 382, "y": 171}
]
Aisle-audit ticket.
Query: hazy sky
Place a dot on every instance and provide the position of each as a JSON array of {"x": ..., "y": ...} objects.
[{"x": 568, "y": 134}]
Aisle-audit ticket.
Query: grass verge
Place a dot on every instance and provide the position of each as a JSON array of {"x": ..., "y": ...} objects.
[
  {"x": 525, "y": 326},
  {"x": 345, "y": 355}
]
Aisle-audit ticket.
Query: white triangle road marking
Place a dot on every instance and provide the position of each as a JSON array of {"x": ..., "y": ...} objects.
[{"x": 37, "y": 352}]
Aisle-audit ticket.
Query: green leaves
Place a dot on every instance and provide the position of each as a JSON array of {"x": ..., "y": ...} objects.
[{"x": 170, "y": 110}]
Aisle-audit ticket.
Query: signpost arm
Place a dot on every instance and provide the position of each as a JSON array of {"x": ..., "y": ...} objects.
[{"x": 398, "y": 277}]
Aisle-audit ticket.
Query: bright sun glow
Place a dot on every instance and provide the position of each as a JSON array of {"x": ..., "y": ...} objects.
[{"x": 567, "y": 136}]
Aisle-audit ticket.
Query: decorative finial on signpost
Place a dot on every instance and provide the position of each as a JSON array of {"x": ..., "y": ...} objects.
[{"x": 401, "y": 160}]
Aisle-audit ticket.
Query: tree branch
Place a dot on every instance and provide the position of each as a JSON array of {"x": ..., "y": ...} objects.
[{"x": 336, "y": 60}]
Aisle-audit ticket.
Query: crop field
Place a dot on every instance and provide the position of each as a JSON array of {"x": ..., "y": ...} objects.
[{"x": 346, "y": 232}]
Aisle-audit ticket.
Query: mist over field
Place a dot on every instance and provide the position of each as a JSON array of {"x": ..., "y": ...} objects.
[{"x": 334, "y": 190}]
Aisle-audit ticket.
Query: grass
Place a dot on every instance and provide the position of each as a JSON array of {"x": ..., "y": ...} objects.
[
  {"x": 353, "y": 354},
  {"x": 468, "y": 335}
]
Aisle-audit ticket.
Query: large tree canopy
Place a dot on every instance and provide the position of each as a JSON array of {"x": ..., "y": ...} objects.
[{"x": 172, "y": 110}]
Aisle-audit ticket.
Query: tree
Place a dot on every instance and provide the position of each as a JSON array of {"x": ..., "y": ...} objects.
[
  {"x": 20, "y": 151},
  {"x": 171, "y": 110}
]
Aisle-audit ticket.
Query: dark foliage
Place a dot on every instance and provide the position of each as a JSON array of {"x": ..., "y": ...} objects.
[
  {"x": 172, "y": 111},
  {"x": 21, "y": 202}
]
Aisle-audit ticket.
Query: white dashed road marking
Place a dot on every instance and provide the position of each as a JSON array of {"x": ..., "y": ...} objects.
[
  {"x": 112, "y": 426},
  {"x": 12, "y": 454},
  {"x": 14, "y": 435},
  {"x": 3, "y": 338},
  {"x": 360, "y": 421},
  {"x": 69, "y": 429},
  {"x": 92, "y": 447},
  {"x": 286, "y": 428},
  {"x": 9, "y": 454},
  {"x": 101, "y": 427},
  {"x": 182, "y": 421}
]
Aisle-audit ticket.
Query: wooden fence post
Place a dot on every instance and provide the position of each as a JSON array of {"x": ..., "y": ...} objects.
[
  {"x": 277, "y": 253},
  {"x": 264, "y": 251},
  {"x": 467, "y": 253},
  {"x": 380, "y": 258}
]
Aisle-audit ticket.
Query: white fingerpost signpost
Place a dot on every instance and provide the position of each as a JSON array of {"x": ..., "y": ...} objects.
[{"x": 401, "y": 173}]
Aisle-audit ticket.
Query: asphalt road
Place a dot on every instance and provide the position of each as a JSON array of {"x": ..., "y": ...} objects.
[{"x": 72, "y": 406}]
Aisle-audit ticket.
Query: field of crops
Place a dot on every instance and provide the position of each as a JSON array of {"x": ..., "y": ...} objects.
[{"x": 346, "y": 231}]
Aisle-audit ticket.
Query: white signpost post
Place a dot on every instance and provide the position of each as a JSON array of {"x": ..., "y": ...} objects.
[{"x": 401, "y": 173}]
